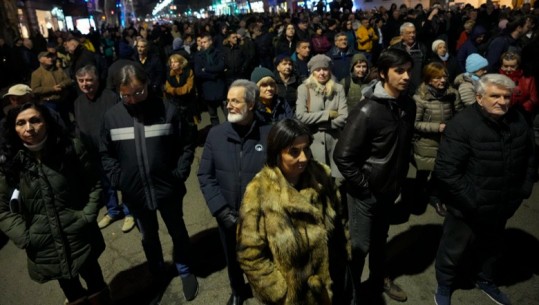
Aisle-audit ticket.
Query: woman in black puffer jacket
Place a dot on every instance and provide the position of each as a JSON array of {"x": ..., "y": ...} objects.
[{"x": 54, "y": 218}]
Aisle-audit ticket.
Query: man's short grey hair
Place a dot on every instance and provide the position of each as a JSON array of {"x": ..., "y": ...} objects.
[
  {"x": 251, "y": 89},
  {"x": 493, "y": 79},
  {"x": 132, "y": 73},
  {"x": 88, "y": 69},
  {"x": 406, "y": 25}
]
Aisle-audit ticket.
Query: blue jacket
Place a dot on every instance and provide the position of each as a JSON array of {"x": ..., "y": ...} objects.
[
  {"x": 229, "y": 162},
  {"x": 469, "y": 46},
  {"x": 282, "y": 110},
  {"x": 341, "y": 61}
]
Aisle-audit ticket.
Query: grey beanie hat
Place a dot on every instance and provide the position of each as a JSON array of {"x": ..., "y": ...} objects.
[{"x": 319, "y": 61}]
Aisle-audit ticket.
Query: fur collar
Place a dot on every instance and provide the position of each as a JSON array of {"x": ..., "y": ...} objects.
[{"x": 313, "y": 198}]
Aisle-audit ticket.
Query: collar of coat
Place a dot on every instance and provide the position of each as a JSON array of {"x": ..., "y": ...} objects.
[
  {"x": 232, "y": 134},
  {"x": 312, "y": 198}
]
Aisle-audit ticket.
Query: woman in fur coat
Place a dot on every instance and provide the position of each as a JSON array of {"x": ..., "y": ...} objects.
[{"x": 291, "y": 241}]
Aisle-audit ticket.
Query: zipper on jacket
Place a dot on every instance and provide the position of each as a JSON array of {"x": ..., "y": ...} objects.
[{"x": 57, "y": 220}]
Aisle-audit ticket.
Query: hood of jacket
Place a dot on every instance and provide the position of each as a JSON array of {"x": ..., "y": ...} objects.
[
  {"x": 375, "y": 90},
  {"x": 478, "y": 30},
  {"x": 355, "y": 59},
  {"x": 463, "y": 78}
]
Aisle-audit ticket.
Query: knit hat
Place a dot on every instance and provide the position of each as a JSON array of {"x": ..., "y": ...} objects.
[
  {"x": 280, "y": 58},
  {"x": 177, "y": 43},
  {"x": 18, "y": 90},
  {"x": 259, "y": 73},
  {"x": 475, "y": 62},
  {"x": 43, "y": 54},
  {"x": 436, "y": 43},
  {"x": 319, "y": 61},
  {"x": 358, "y": 57}
]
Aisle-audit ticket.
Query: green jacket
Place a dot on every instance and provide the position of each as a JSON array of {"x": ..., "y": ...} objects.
[
  {"x": 56, "y": 219},
  {"x": 353, "y": 86}
]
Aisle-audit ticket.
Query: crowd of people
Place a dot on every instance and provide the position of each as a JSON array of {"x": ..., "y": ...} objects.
[{"x": 325, "y": 111}]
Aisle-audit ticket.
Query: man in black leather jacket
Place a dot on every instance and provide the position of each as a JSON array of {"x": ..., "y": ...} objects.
[
  {"x": 372, "y": 154},
  {"x": 485, "y": 168}
]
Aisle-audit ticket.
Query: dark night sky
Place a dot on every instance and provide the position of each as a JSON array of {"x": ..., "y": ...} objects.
[{"x": 144, "y": 6}]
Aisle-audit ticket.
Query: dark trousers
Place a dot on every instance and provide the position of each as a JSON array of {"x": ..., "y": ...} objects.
[
  {"x": 172, "y": 215},
  {"x": 460, "y": 238},
  {"x": 235, "y": 274},
  {"x": 90, "y": 271},
  {"x": 369, "y": 224},
  {"x": 212, "y": 111},
  {"x": 427, "y": 186}
]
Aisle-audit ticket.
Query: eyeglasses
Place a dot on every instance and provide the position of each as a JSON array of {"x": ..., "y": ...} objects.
[
  {"x": 136, "y": 94},
  {"x": 234, "y": 102}
]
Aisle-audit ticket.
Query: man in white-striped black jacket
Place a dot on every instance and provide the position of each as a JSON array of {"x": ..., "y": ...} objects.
[{"x": 146, "y": 150}]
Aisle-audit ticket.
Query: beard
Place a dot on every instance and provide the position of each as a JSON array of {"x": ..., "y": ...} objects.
[{"x": 237, "y": 117}]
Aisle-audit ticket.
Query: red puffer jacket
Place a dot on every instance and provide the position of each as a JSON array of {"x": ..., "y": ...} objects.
[{"x": 525, "y": 92}]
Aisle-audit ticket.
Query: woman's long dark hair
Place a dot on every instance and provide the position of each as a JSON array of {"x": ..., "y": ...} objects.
[
  {"x": 282, "y": 135},
  {"x": 58, "y": 150}
]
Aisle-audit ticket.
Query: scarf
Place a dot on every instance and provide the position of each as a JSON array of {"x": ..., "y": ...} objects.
[
  {"x": 36, "y": 147},
  {"x": 436, "y": 93},
  {"x": 445, "y": 57}
]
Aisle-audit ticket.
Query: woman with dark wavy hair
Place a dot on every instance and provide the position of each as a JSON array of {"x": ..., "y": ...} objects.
[
  {"x": 290, "y": 237},
  {"x": 53, "y": 217},
  {"x": 286, "y": 42}
]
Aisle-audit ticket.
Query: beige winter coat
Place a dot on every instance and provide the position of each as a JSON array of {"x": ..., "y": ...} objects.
[
  {"x": 430, "y": 112},
  {"x": 466, "y": 87},
  {"x": 313, "y": 109}
]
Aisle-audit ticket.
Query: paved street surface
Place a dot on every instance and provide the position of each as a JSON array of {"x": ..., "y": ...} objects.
[{"x": 413, "y": 241}]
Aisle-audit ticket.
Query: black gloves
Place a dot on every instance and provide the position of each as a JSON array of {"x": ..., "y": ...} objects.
[{"x": 227, "y": 218}]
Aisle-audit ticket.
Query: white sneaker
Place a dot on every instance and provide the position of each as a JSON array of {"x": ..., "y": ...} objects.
[
  {"x": 105, "y": 221},
  {"x": 129, "y": 224}
]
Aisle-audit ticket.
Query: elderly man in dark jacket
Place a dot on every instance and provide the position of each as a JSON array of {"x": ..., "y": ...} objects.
[
  {"x": 146, "y": 151},
  {"x": 341, "y": 56},
  {"x": 234, "y": 152},
  {"x": 485, "y": 169},
  {"x": 417, "y": 50}
]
